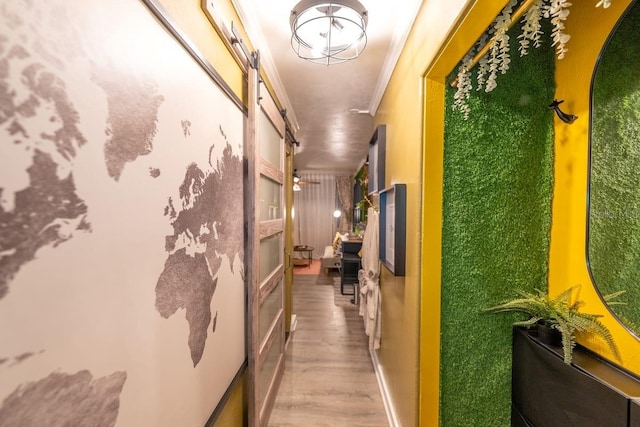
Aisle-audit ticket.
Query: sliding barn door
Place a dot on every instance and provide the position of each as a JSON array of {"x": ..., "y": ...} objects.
[{"x": 266, "y": 292}]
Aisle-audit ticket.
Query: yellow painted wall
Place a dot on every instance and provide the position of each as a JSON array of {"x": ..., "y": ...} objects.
[
  {"x": 234, "y": 413},
  {"x": 589, "y": 28},
  {"x": 190, "y": 18},
  {"x": 410, "y": 347},
  {"x": 413, "y": 109}
]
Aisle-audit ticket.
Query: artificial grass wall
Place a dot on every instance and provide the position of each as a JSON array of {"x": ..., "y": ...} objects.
[
  {"x": 498, "y": 168},
  {"x": 614, "y": 217}
]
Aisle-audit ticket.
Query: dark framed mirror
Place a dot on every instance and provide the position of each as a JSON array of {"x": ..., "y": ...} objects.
[{"x": 613, "y": 235}]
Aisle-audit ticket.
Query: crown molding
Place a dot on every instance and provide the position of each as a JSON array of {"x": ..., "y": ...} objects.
[
  {"x": 250, "y": 23},
  {"x": 395, "y": 49}
]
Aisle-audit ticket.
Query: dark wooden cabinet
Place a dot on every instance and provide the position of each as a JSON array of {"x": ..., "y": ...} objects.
[
  {"x": 546, "y": 392},
  {"x": 634, "y": 413}
]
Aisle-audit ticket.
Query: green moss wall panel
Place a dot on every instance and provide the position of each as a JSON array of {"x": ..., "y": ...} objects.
[
  {"x": 614, "y": 217},
  {"x": 496, "y": 222}
]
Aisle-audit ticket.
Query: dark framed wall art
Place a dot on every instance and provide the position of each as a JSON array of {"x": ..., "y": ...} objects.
[
  {"x": 377, "y": 150},
  {"x": 393, "y": 229}
]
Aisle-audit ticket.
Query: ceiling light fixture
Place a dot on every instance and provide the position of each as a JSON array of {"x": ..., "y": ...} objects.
[{"x": 328, "y": 32}]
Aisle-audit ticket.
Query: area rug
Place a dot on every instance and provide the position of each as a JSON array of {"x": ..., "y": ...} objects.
[{"x": 305, "y": 269}]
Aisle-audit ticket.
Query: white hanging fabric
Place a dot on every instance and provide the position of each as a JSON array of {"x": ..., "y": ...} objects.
[
  {"x": 314, "y": 224},
  {"x": 369, "y": 280}
]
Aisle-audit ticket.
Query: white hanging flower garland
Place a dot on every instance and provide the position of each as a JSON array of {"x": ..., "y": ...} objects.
[
  {"x": 464, "y": 87},
  {"x": 558, "y": 11},
  {"x": 531, "y": 28},
  {"x": 483, "y": 64},
  {"x": 498, "y": 57},
  {"x": 499, "y": 53}
]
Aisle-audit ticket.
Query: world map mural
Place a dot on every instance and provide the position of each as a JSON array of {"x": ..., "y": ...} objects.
[
  {"x": 121, "y": 221},
  {"x": 196, "y": 250}
]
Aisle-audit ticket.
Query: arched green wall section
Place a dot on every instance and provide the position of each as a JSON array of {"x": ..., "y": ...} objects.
[{"x": 614, "y": 193}]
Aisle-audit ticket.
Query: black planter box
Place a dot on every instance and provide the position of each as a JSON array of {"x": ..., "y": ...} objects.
[{"x": 546, "y": 392}]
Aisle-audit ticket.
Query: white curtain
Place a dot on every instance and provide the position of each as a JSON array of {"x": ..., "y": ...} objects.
[
  {"x": 344, "y": 185},
  {"x": 314, "y": 224}
]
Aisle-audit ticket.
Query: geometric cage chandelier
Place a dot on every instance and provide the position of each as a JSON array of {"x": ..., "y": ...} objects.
[{"x": 328, "y": 32}]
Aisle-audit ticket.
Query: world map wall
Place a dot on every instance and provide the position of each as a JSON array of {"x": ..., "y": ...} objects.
[{"x": 121, "y": 221}]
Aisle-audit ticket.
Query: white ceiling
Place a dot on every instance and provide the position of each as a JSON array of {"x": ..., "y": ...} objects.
[{"x": 330, "y": 109}]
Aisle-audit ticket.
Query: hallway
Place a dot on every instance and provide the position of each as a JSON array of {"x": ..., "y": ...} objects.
[{"x": 329, "y": 379}]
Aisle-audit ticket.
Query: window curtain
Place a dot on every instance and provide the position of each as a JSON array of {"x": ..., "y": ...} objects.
[
  {"x": 344, "y": 186},
  {"x": 314, "y": 224}
]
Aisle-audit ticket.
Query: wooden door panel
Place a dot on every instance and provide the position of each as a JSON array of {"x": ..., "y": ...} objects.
[{"x": 266, "y": 279}]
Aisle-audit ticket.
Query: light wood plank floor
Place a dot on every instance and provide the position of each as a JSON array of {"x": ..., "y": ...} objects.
[{"x": 329, "y": 378}]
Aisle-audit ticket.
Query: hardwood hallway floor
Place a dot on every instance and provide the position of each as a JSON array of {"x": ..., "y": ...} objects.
[{"x": 329, "y": 379}]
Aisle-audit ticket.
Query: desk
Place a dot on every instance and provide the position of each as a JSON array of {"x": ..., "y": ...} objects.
[{"x": 307, "y": 249}]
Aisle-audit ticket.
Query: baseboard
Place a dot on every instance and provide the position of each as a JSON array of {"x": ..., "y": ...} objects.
[
  {"x": 294, "y": 323},
  {"x": 384, "y": 391}
]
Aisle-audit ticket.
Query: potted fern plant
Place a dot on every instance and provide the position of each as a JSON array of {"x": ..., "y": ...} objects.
[{"x": 560, "y": 313}]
